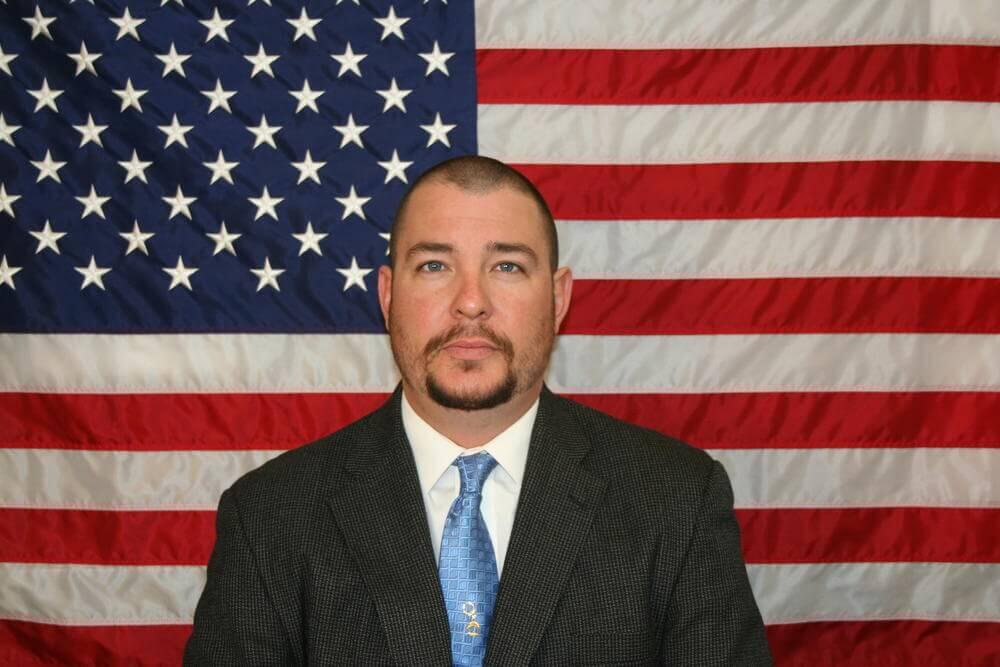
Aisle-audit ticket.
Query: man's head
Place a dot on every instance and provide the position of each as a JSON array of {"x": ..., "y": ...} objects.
[{"x": 472, "y": 297}]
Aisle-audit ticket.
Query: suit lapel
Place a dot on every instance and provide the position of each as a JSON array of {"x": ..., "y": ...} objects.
[
  {"x": 554, "y": 514},
  {"x": 382, "y": 516}
]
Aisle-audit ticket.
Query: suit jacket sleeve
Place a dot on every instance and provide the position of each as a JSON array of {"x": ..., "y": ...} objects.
[
  {"x": 713, "y": 618},
  {"x": 235, "y": 622}
]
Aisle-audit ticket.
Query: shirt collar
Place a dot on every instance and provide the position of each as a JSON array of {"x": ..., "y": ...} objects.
[{"x": 434, "y": 453}]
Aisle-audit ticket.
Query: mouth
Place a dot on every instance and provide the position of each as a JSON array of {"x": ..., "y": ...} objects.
[{"x": 469, "y": 348}]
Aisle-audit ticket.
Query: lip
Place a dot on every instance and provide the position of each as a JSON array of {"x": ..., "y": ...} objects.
[{"x": 470, "y": 348}]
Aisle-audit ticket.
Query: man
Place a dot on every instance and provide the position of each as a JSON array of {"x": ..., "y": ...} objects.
[{"x": 476, "y": 516}]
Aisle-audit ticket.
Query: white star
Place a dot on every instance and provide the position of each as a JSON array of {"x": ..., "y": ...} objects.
[
  {"x": 265, "y": 204},
  {"x": 349, "y": 61},
  {"x": 216, "y": 26},
  {"x": 135, "y": 168},
  {"x": 7, "y": 131},
  {"x": 218, "y": 97},
  {"x": 386, "y": 237},
  {"x": 437, "y": 131},
  {"x": 355, "y": 2},
  {"x": 355, "y": 275},
  {"x": 392, "y": 24},
  {"x": 48, "y": 239},
  {"x": 310, "y": 240},
  {"x": 350, "y": 133},
  {"x": 39, "y": 24},
  {"x": 164, "y": 2},
  {"x": 46, "y": 96},
  {"x": 437, "y": 60},
  {"x": 304, "y": 26},
  {"x": 352, "y": 203},
  {"x": 47, "y": 168},
  {"x": 90, "y": 132},
  {"x": 180, "y": 204},
  {"x": 127, "y": 25},
  {"x": 180, "y": 274},
  {"x": 5, "y": 61},
  {"x": 7, "y": 201},
  {"x": 220, "y": 169},
  {"x": 264, "y": 133},
  {"x": 136, "y": 239},
  {"x": 84, "y": 60},
  {"x": 175, "y": 132},
  {"x": 130, "y": 96},
  {"x": 306, "y": 97},
  {"x": 92, "y": 203},
  {"x": 266, "y": 2},
  {"x": 268, "y": 276},
  {"x": 395, "y": 168},
  {"x": 92, "y": 274},
  {"x": 223, "y": 240},
  {"x": 308, "y": 169},
  {"x": 394, "y": 96},
  {"x": 7, "y": 273},
  {"x": 261, "y": 62},
  {"x": 173, "y": 61}
]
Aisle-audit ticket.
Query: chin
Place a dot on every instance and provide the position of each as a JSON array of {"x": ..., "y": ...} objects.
[{"x": 470, "y": 396}]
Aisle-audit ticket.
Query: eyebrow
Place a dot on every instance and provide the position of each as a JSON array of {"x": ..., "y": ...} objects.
[
  {"x": 429, "y": 247},
  {"x": 496, "y": 247},
  {"x": 493, "y": 247}
]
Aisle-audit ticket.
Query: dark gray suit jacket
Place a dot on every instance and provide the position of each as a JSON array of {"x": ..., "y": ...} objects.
[{"x": 624, "y": 550}]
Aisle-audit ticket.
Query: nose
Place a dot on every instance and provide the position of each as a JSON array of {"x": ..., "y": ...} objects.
[{"x": 471, "y": 300}]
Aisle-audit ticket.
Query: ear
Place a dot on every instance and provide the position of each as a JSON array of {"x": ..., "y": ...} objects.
[
  {"x": 385, "y": 291},
  {"x": 562, "y": 292}
]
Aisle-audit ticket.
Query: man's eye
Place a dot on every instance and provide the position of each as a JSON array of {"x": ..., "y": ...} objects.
[
  {"x": 508, "y": 267},
  {"x": 432, "y": 267}
]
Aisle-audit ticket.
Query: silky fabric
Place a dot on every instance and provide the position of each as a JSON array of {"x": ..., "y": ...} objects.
[{"x": 467, "y": 566}]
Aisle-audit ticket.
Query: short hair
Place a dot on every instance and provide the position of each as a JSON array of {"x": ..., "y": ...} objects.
[{"x": 480, "y": 175}]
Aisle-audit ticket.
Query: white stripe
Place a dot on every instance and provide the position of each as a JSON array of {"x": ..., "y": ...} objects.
[
  {"x": 135, "y": 595},
  {"x": 627, "y": 134},
  {"x": 645, "y": 24},
  {"x": 187, "y": 363},
  {"x": 790, "y": 247},
  {"x": 877, "y": 591},
  {"x": 94, "y": 480},
  {"x": 100, "y": 594},
  {"x": 194, "y": 480},
  {"x": 882, "y": 477}
]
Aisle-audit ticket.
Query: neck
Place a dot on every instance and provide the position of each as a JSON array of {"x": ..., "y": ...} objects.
[{"x": 470, "y": 428}]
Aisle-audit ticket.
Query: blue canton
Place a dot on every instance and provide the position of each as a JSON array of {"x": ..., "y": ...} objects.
[{"x": 468, "y": 566}]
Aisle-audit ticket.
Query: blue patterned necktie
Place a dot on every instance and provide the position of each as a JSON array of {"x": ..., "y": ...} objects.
[{"x": 467, "y": 566}]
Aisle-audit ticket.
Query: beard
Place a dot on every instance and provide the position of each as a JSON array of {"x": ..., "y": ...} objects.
[{"x": 520, "y": 371}]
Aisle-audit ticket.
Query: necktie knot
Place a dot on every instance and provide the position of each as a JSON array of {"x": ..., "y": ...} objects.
[{"x": 473, "y": 471}]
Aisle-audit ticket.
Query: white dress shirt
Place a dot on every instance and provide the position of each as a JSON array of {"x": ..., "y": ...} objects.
[{"x": 440, "y": 482}]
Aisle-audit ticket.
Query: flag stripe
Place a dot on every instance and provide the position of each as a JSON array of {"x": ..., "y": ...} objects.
[
  {"x": 784, "y": 305},
  {"x": 866, "y": 643},
  {"x": 769, "y": 190},
  {"x": 804, "y": 593},
  {"x": 133, "y": 595},
  {"x": 881, "y": 534},
  {"x": 781, "y": 247},
  {"x": 769, "y": 478},
  {"x": 622, "y": 364},
  {"x": 727, "y": 76},
  {"x": 821, "y": 131},
  {"x": 644, "y": 24},
  {"x": 243, "y": 421},
  {"x": 878, "y": 534},
  {"x": 27, "y": 643}
]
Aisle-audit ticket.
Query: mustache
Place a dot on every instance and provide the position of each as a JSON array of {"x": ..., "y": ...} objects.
[{"x": 501, "y": 342}]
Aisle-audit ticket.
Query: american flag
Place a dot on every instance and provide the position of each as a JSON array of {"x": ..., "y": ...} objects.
[{"x": 783, "y": 218}]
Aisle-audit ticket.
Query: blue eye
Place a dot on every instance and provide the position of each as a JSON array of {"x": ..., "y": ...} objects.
[
  {"x": 432, "y": 267},
  {"x": 508, "y": 267}
]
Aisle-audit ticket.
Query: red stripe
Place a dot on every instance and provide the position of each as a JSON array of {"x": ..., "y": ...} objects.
[
  {"x": 886, "y": 644},
  {"x": 24, "y": 643},
  {"x": 784, "y": 305},
  {"x": 727, "y": 76},
  {"x": 711, "y": 421},
  {"x": 855, "y": 535},
  {"x": 769, "y": 536},
  {"x": 769, "y": 190},
  {"x": 106, "y": 538}
]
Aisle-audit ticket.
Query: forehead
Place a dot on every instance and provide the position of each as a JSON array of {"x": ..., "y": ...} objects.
[{"x": 441, "y": 211}]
